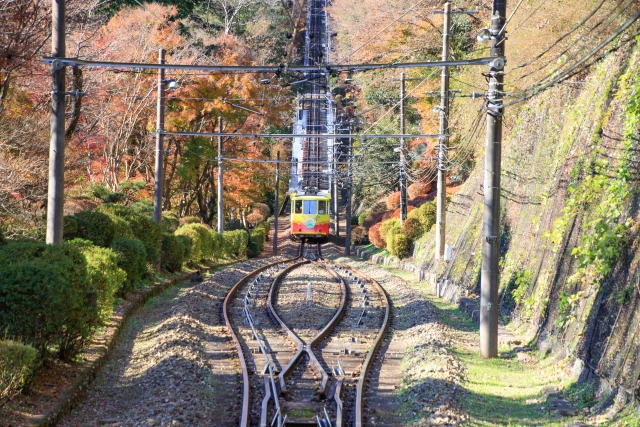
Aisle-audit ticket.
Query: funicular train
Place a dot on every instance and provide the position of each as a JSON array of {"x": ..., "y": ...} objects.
[{"x": 310, "y": 214}]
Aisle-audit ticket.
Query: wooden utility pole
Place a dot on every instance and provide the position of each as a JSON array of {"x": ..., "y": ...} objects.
[
  {"x": 275, "y": 206},
  {"x": 55, "y": 196},
  {"x": 403, "y": 177},
  {"x": 159, "y": 176},
  {"x": 220, "y": 189},
  {"x": 489, "y": 279},
  {"x": 441, "y": 198}
]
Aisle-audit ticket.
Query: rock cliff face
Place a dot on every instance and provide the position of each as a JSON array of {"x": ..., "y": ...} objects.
[{"x": 570, "y": 241}]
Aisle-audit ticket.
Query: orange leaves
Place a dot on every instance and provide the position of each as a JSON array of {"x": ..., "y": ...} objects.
[{"x": 135, "y": 35}]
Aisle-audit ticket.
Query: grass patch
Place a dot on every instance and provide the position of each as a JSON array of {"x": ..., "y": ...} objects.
[
  {"x": 376, "y": 251},
  {"x": 500, "y": 391},
  {"x": 301, "y": 414}
]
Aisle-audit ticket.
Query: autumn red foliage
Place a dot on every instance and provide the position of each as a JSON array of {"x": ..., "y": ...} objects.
[
  {"x": 418, "y": 189},
  {"x": 374, "y": 236},
  {"x": 393, "y": 200}
]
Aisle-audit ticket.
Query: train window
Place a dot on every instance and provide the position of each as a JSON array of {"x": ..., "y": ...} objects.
[
  {"x": 322, "y": 207},
  {"x": 310, "y": 207},
  {"x": 298, "y": 209}
]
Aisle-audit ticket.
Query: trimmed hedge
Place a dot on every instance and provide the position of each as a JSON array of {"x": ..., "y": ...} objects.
[
  {"x": 190, "y": 220},
  {"x": 359, "y": 235},
  {"x": 374, "y": 236},
  {"x": 236, "y": 242},
  {"x": 398, "y": 244},
  {"x": 412, "y": 228},
  {"x": 262, "y": 208},
  {"x": 17, "y": 362},
  {"x": 172, "y": 254},
  {"x": 393, "y": 201},
  {"x": 203, "y": 244},
  {"x": 187, "y": 244},
  {"x": 257, "y": 239},
  {"x": 131, "y": 256},
  {"x": 426, "y": 214},
  {"x": 142, "y": 226},
  {"x": 46, "y": 298},
  {"x": 386, "y": 226},
  {"x": 170, "y": 222},
  {"x": 69, "y": 227},
  {"x": 362, "y": 217},
  {"x": 391, "y": 228},
  {"x": 123, "y": 229},
  {"x": 104, "y": 275},
  {"x": 95, "y": 227}
]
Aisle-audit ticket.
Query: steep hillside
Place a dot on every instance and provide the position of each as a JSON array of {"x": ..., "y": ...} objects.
[{"x": 570, "y": 232}]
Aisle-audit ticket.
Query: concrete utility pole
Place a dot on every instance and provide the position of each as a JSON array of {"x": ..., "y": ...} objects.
[
  {"x": 55, "y": 196},
  {"x": 403, "y": 177},
  {"x": 275, "y": 206},
  {"x": 490, "y": 279},
  {"x": 159, "y": 176},
  {"x": 220, "y": 200},
  {"x": 347, "y": 232},
  {"x": 441, "y": 198}
]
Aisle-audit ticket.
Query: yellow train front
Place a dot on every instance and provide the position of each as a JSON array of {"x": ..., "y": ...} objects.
[{"x": 310, "y": 215}]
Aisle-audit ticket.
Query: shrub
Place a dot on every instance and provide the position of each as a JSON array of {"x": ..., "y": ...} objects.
[
  {"x": 186, "y": 243},
  {"x": 256, "y": 241},
  {"x": 123, "y": 229},
  {"x": 202, "y": 243},
  {"x": 46, "y": 297},
  {"x": 362, "y": 217},
  {"x": 389, "y": 229},
  {"x": 17, "y": 362},
  {"x": 172, "y": 253},
  {"x": 104, "y": 275},
  {"x": 233, "y": 224},
  {"x": 236, "y": 242},
  {"x": 418, "y": 189},
  {"x": 170, "y": 222},
  {"x": 359, "y": 235},
  {"x": 373, "y": 218},
  {"x": 190, "y": 220},
  {"x": 399, "y": 245},
  {"x": 393, "y": 201},
  {"x": 142, "y": 226},
  {"x": 374, "y": 236},
  {"x": 412, "y": 228},
  {"x": 95, "y": 227},
  {"x": 262, "y": 208},
  {"x": 255, "y": 218},
  {"x": 252, "y": 249},
  {"x": 266, "y": 227},
  {"x": 218, "y": 244},
  {"x": 386, "y": 226},
  {"x": 131, "y": 256},
  {"x": 354, "y": 220},
  {"x": 69, "y": 227},
  {"x": 426, "y": 214}
]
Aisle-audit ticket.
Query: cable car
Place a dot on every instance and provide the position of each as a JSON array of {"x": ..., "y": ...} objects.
[{"x": 310, "y": 214}]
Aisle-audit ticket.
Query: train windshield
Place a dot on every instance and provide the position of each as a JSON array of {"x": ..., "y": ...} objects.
[
  {"x": 310, "y": 207},
  {"x": 298, "y": 208},
  {"x": 322, "y": 207}
]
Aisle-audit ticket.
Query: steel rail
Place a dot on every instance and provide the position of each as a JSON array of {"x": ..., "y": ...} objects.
[
  {"x": 292, "y": 336},
  {"x": 376, "y": 343},
  {"x": 244, "y": 420},
  {"x": 325, "y": 331},
  {"x": 302, "y": 347},
  {"x": 74, "y": 62}
]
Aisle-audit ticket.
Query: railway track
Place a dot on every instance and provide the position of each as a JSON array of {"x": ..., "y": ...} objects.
[{"x": 306, "y": 331}]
